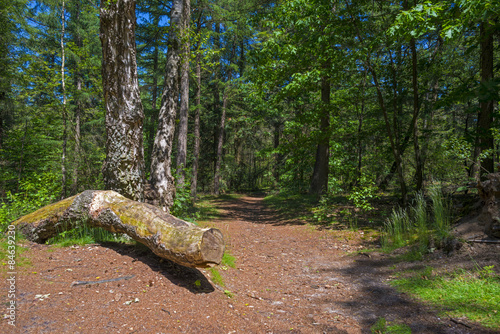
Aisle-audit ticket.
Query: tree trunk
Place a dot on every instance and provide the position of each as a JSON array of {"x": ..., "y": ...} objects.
[
  {"x": 64, "y": 111},
  {"x": 319, "y": 181},
  {"x": 419, "y": 172},
  {"x": 217, "y": 80},
  {"x": 184, "y": 108},
  {"x": 21, "y": 155},
  {"x": 167, "y": 236},
  {"x": 196, "y": 149},
  {"x": 484, "y": 139},
  {"x": 78, "y": 109},
  {"x": 220, "y": 141},
  {"x": 277, "y": 155},
  {"x": 162, "y": 181},
  {"x": 123, "y": 168},
  {"x": 153, "y": 116},
  {"x": 395, "y": 151}
]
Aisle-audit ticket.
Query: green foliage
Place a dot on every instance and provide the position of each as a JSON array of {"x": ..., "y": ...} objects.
[
  {"x": 35, "y": 192},
  {"x": 361, "y": 194},
  {"x": 475, "y": 295}
]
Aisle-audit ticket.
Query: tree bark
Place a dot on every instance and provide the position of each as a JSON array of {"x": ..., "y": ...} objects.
[
  {"x": 220, "y": 141},
  {"x": 319, "y": 180},
  {"x": 196, "y": 149},
  {"x": 419, "y": 169},
  {"x": 64, "y": 111},
  {"x": 167, "y": 236},
  {"x": 162, "y": 181},
  {"x": 277, "y": 155},
  {"x": 419, "y": 172},
  {"x": 123, "y": 168},
  {"x": 484, "y": 139},
  {"x": 79, "y": 107},
  {"x": 184, "y": 108},
  {"x": 153, "y": 116}
]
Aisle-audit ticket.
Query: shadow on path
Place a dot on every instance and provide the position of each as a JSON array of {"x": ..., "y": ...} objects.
[
  {"x": 189, "y": 278},
  {"x": 252, "y": 209}
]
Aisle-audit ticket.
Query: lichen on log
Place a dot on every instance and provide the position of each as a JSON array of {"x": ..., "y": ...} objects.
[{"x": 167, "y": 236}]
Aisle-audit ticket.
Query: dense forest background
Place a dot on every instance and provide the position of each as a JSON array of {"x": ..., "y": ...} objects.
[{"x": 323, "y": 97}]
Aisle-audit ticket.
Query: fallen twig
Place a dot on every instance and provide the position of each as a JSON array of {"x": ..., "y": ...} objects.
[
  {"x": 485, "y": 241},
  {"x": 459, "y": 322},
  {"x": 102, "y": 281}
]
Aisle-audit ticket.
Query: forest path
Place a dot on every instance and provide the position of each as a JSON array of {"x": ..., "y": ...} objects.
[
  {"x": 305, "y": 280},
  {"x": 289, "y": 278}
]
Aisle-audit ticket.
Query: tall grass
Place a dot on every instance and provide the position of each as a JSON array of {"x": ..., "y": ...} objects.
[
  {"x": 417, "y": 224},
  {"x": 441, "y": 211},
  {"x": 84, "y": 234}
]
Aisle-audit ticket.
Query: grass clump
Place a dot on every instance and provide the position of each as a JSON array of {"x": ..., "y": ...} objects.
[
  {"x": 474, "y": 295},
  {"x": 419, "y": 225},
  {"x": 228, "y": 260},
  {"x": 384, "y": 327},
  {"x": 216, "y": 277},
  {"x": 84, "y": 235}
]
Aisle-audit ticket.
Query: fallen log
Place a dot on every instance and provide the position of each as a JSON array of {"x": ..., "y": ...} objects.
[{"x": 167, "y": 236}]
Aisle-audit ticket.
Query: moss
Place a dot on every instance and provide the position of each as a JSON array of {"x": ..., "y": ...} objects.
[{"x": 48, "y": 211}]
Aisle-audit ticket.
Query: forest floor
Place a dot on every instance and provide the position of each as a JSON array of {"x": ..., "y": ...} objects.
[{"x": 289, "y": 277}]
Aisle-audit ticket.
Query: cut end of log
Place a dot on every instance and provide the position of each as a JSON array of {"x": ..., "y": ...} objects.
[{"x": 212, "y": 247}]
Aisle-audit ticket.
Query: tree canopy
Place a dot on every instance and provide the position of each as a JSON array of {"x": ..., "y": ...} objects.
[{"x": 306, "y": 96}]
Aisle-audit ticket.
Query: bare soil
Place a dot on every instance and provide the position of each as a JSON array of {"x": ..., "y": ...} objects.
[{"x": 289, "y": 278}]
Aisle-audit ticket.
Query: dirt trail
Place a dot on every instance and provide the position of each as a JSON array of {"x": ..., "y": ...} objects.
[{"x": 289, "y": 278}]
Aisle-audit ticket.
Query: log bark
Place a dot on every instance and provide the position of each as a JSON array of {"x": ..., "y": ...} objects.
[{"x": 167, "y": 236}]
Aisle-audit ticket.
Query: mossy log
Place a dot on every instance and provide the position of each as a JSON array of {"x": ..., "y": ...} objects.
[
  {"x": 489, "y": 191},
  {"x": 167, "y": 236}
]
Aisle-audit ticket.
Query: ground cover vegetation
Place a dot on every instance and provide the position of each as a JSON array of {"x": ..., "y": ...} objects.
[{"x": 364, "y": 115}]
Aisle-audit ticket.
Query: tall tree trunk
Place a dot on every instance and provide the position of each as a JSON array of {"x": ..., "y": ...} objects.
[
  {"x": 153, "y": 115},
  {"x": 360, "y": 128},
  {"x": 196, "y": 149},
  {"x": 216, "y": 95},
  {"x": 319, "y": 181},
  {"x": 123, "y": 168},
  {"x": 220, "y": 141},
  {"x": 21, "y": 155},
  {"x": 64, "y": 111},
  {"x": 277, "y": 155},
  {"x": 79, "y": 107},
  {"x": 419, "y": 172},
  {"x": 184, "y": 108},
  {"x": 161, "y": 174},
  {"x": 395, "y": 151},
  {"x": 484, "y": 139}
]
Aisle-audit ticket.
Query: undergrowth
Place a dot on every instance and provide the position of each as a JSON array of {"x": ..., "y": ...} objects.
[
  {"x": 420, "y": 225},
  {"x": 5, "y": 255},
  {"x": 83, "y": 235}
]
